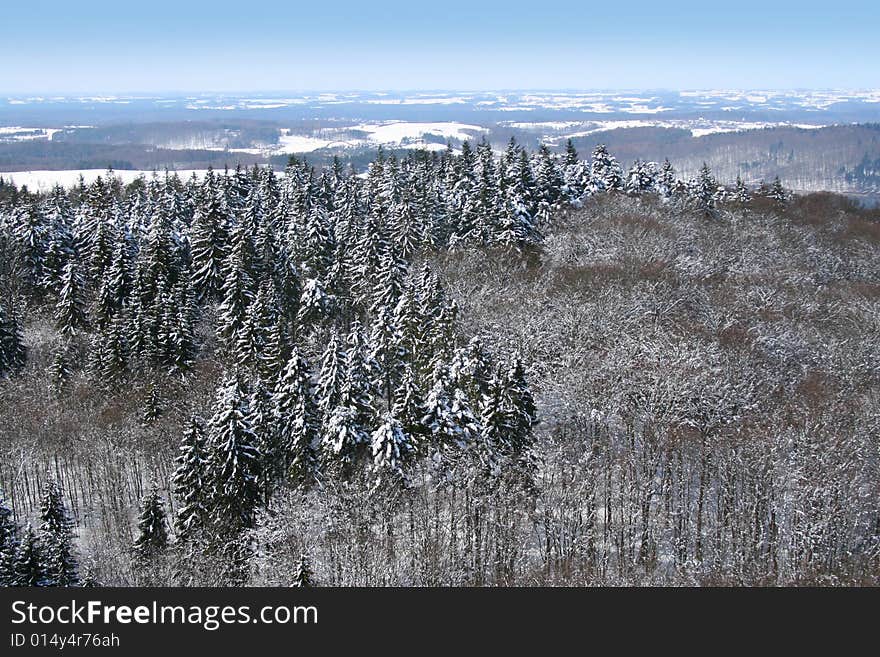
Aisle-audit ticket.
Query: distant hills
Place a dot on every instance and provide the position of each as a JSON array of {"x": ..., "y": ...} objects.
[{"x": 812, "y": 140}]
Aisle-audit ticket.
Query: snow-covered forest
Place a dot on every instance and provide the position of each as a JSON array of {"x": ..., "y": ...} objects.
[{"x": 457, "y": 368}]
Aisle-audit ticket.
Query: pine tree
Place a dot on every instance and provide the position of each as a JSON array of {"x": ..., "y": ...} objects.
[
  {"x": 520, "y": 406},
  {"x": 666, "y": 180},
  {"x": 391, "y": 446},
  {"x": 28, "y": 567},
  {"x": 777, "y": 192},
  {"x": 331, "y": 379},
  {"x": 447, "y": 419},
  {"x": 496, "y": 425},
  {"x": 70, "y": 311},
  {"x": 56, "y": 539},
  {"x": 153, "y": 406},
  {"x": 209, "y": 239},
  {"x": 190, "y": 480},
  {"x": 605, "y": 172},
  {"x": 234, "y": 461},
  {"x": 302, "y": 578},
  {"x": 13, "y": 353},
  {"x": 8, "y": 544},
  {"x": 705, "y": 189},
  {"x": 152, "y": 540},
  {"x": 741, "y": 193},
  {"x": 59, "y": 370},
  {"x": 296, "y": 415}
]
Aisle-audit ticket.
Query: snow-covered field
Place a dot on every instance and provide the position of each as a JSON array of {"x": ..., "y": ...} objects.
[
  {"x": 555, "y": 132},
  {"x": 46, "y": 180},
  {"x": 393, "y": 134},
  {"x": 18, "y": 133}
]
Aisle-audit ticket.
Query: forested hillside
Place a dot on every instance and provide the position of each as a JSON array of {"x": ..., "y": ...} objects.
[{"x": 455, "y": 369}]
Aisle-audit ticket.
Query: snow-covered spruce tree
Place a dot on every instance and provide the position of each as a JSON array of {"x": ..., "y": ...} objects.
[
  {"x": 56, "y": 539},
  {"x": 392, "y": 448},
  {"x": 13, "y": 353},
  {"x": 357, "y": 391},
  {"x": 113, "y": 352},
  {"x": 8, "y": 544},
  {"x": 704, "y": 189},
  {"x": 472, "y": 370},
  {"x": 70, "y": 310},
  {"x": 160, "y": 252},
  {"x": 390, "y": 280},
  {"x": 302, "y": 577},
  {"x": 29, "y": 567},
  {"x": 641, "y": 178},
  {"x": 315, "y": 306},
  {"x": 408, "y": 227},
  {"x": 297, "y": 420},
  {"x": 319, "y": 245},
  {"x": 234, "y": 462},
  {"x": 387, "y": 351},
  {"x": 237, "y": 290},
  {"x": 208, "y": 237},
  {"x": 408, "y": 406},
  {"x": 30, "y": 232},
  {"x": 519, "y": 405},
  {"x": 331, "y": 378},
  {"x": 777, "y": 193},
  {"x": 665, "y": 184},
  {"x": 605, "y": 173},
  {"x": 548, "y": 181},
  {"x": 180, "y": 325},
  {"x": 59, "y": 370},
  {"x": 442, "y": 425},
  {"x": 741, "y": 194},
  {"x": 153, "y": 407},
  {"x": 261, "y": 405},
  {"x": 190, "y": 481},
  {"x": 152, "y": 541}
]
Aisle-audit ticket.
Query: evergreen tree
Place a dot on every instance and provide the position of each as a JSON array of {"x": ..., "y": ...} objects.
[
  {"x": 331, "y": 379},
  {"x": 190, "y": 480},
  {"x": 152, "y": 540},
  {"x": 741, "y": 193},
  {"x": 302, "y": 578},
  {"x": 8, "y": 544},
  {"x": 70, "y": 311},
  {"x": 666, "y": 180},
  {"x": 391, "y": 446},
  {"x": 152, "y": 409},
  {"x": 605, "y": 172},
  {"x": 13, "y": 353},
  {"x": 705, "y": 189},
  {"x": 520, "y": 405},
  {"x": 234, "y": 461},
  {"x": 56, "y": 539},
  {"x": 209, "y": 241},
  {"x": 777, "y": 192},
  {"x": 59, "y": 370},
  {"x": 296, "y": 415},
  {"x": 28, "y": 567}
]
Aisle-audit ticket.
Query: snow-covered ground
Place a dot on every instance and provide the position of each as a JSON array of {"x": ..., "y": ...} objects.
[
  {"x": 555, "y": 132},
  {"x": 46, "y": 180},
  {"x": 18, "y": 133},
  {"x": 406, "y": 132},
  {"x": 392, "y": 134}
]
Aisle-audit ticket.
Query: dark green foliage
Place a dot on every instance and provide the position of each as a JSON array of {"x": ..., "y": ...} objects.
[{"x": 13, "y": 352}]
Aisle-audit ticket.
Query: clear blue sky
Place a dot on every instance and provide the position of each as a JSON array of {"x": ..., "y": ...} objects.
[{"x": 186, "y": 45}]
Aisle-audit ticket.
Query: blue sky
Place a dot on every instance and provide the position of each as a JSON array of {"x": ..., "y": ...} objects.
[{"x": 119, "y": 46}]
